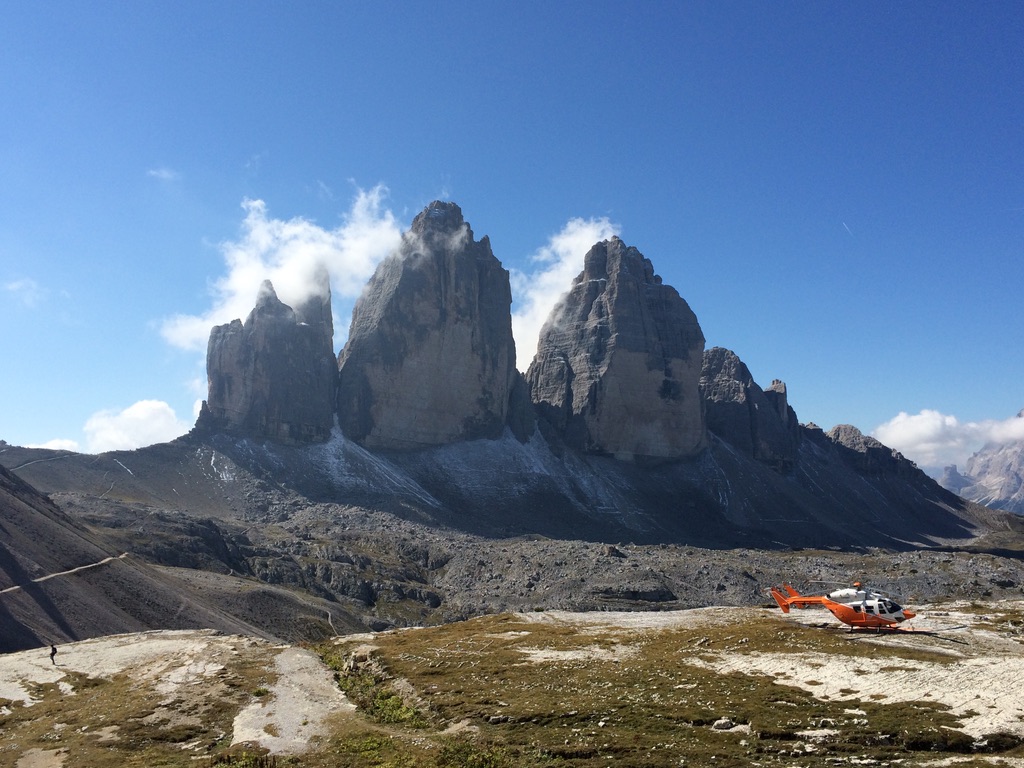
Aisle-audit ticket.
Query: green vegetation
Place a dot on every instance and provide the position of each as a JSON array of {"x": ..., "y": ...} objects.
[
  {"x": 244, "y": 760},
  {"x": 611, "y": 696},
  {"x": 382, "y": 704},
  {"x": 513, "y": 691}
]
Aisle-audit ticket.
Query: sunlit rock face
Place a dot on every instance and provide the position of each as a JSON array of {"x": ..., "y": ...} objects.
[
  {"x": 430, "y": 358},
  {"x": 619, "y": 360},
  {"x": 758, "y": 422},
  {"x": 994, "y": 476},
  {"x": 274, "y": 376}
]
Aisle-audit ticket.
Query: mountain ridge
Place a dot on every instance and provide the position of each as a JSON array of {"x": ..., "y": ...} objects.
[
  {"x": 295, "y": 509},
  {"x": 621, "y": 373}
]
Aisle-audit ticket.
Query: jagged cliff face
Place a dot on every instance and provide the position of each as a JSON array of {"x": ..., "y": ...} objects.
[
  {"x": 868, "y": 455},
  {"x": 274, "y": 375},
  {"x": 618, "y": 362},
  {"x": 997, "y": 474},
  {"x": 757, "y": 421},
  {"x": 994, "y": 476},
  {"x": 430, "y": 358}
]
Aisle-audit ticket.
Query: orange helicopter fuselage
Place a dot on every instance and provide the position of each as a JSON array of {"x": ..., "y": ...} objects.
[
  {"x": 870, "y": 611},
  {"x": 856, "y": 616}
]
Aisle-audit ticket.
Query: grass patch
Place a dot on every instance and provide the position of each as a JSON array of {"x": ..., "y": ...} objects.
[
  {"x": 646, "y": 702},
  {"x": 244, "y": 760},
  {"x": 506, "y": 691},
  {"x": 369, "y": 686}
]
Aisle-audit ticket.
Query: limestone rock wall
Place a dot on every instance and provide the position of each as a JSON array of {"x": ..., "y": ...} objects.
[
  {"x": 618, "y": 362},
  {"x": 757, "y": 421},
  {"x": 430, "y": 358},
  {"x": 274, "y": 375}
]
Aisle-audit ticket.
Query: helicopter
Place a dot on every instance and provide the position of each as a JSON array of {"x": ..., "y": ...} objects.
[{"x": 858, "y": 606}]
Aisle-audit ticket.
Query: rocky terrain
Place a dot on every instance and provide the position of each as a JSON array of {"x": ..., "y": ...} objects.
[
  {"x": 62, "y": 579},
  {"x": 202, "y": 529},
  {"x": 420, "y": 478}
]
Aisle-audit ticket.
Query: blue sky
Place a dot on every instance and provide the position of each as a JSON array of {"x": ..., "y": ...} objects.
[{"x": 836, "y": 189}]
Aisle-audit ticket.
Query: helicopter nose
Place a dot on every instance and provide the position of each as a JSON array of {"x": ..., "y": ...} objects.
[{"x": 909, "y": 614}]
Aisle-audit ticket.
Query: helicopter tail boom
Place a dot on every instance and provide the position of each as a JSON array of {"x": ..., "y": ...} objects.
[{"x": 793, "y": 599}]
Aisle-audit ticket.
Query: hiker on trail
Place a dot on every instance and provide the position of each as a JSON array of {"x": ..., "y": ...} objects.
[{"x": 53, "y": 653}]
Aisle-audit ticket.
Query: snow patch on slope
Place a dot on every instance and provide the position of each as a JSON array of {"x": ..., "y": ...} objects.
[{"x": 351, "y": 466}]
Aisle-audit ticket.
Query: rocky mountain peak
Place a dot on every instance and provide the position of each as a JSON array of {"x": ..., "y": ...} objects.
[
  {"x": 612, "y": 257},
  {"x": 274, "y": 375},
  {"x": 758, "y": 422},
  {"x": 439, "y": 216},
  {"x": 430, "y": 358},
  {"x": 870, "y": 455},
  {"x": 267, "y": 301},
  {"x": 953, "y": 481},
  {"x": 618, "y": 361},
  {"x": 993, "y": 476},
  {"x": 315, "y": 308}
]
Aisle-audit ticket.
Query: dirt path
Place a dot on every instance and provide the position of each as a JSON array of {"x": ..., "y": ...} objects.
[
  {"x": 293, "y": 719},
  {"x": 104, "y": 561}
]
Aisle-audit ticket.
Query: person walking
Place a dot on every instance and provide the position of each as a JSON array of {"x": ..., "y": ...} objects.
[{"x": 53, "y": 654}]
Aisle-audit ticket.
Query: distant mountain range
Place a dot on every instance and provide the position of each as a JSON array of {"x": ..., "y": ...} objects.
[{"x": 994, "y": 476}]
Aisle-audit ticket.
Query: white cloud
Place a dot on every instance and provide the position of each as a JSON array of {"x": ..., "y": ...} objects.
[
  {"x": 288, "y": 253},
  {"x": 197, "y": 386},
  {"x": 935, "y": 440},
  {"x": 144, "y": 423},
  {"x": 556, "y": 264},
  {"x": 27, "y": 291},
  {"x": 58, "y": 444},
  {"x": 163, "y": 174}
]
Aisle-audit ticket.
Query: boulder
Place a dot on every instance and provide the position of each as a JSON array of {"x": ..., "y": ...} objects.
[
  {"x": 618, "y": 362},
  {"x": 430, "y": 358},
  {"x": 274, "y": 376}
]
